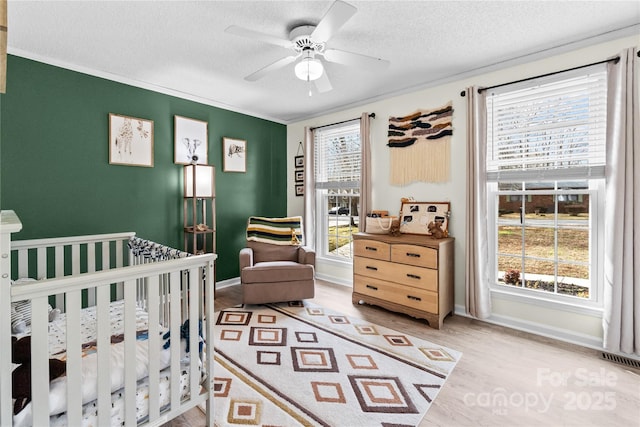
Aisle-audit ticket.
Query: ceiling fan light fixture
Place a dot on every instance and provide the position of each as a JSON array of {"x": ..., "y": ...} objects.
[{"x": 309, "y": 69}]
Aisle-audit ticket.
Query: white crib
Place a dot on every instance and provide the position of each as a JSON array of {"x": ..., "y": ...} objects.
[{"x": 94, "y": 271}]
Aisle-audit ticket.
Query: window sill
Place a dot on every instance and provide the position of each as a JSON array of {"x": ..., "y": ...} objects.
[{"x": 509, "y": 295}]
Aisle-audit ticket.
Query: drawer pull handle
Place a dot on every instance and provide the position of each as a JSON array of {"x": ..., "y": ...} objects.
[
  {"x": 413, "y": 276},
  {"x": 371, "y": 248},
  {"x": 409, "y": 254},
  {"x": 411, "y": 297},
  {"x": 372, "y": 287},
  {"x": 372, "y": 268}
]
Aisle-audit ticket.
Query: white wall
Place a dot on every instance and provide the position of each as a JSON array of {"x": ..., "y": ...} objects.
[{"x": 583, "y": 326}]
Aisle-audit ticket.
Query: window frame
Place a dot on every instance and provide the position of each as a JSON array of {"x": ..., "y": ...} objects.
[
  {"x": 323, "y": 192},
  {"x": 595, "y": 190}
]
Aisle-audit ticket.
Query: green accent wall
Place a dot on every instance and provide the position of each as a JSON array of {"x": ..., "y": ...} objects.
[{"x": 55, "y": 172}]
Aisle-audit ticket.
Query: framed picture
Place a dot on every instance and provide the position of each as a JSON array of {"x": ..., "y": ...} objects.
[
  {"x": 299, "y": 176},
  {"x": 234, "y": 155},
  {"x": 299, "y": 161},
  {"x": 130, "y": 141},
  {"x": 416, "y": 216},
  {"x": 299, "y": 189},
  {"x": 191, "y": 140}
]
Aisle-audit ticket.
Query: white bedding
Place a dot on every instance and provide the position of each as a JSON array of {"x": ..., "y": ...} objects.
[{"x": 57, "y": 346}]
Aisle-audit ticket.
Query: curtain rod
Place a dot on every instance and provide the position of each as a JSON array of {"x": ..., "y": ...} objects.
[
  {"x": 480, "y": 90},
  {"x": 372, "y": 115}
]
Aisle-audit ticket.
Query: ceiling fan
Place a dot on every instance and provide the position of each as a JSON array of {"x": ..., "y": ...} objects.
[{"x": 308, "y": 43}]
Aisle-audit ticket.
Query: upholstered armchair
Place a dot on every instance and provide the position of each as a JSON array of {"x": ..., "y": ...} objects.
[{"x": 274, "y": 266}]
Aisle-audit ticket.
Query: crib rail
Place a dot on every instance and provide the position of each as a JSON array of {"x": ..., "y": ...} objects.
[
  {"x": 185, "y": 278},
  {"x": 58, "y": 257}
]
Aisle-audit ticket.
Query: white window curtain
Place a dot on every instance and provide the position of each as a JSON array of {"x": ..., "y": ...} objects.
[
  {"x": 365, "y": 169},
  {"x": 309, "y": 218},
  {"x": 478, "y": 297},
  {"x": 621, "y": 319},
  {"x": 310, "y": 179}
]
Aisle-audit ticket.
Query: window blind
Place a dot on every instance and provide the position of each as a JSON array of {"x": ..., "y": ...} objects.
[
  {"x": 553, "y": 130},
  {"x": 338, "y": 156}
]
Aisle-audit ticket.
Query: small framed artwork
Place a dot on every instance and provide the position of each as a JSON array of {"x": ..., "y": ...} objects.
[
  {"x": 234, "y": 155},
  {"x": 299, "y": 176},
  {"x": 191, "y": 141},
  {"x": 299, "y": 161},
  {"x": 299, "y": 189},
  {"x": 130, "y": 141},
  {"x": 415, "y": 217}
]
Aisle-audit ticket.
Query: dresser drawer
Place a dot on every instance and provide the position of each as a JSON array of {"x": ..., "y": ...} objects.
[
  {"x": 419, "y": 277},
  {"x": 372, "y": 249},
  {"x": 419, "y": 299},
  {"x": 415, "y": 255}
]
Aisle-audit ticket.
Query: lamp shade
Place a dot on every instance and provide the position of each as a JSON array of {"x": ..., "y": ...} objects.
[
  {"x": 202, "y": 185},
  {"x": 309, "y": 69}
]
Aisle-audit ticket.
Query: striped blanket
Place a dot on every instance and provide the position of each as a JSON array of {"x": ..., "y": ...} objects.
[{"x": 277, "y": 231}]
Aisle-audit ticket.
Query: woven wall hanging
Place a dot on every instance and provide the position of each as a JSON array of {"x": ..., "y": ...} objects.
[{"x": 420, "y": 146}]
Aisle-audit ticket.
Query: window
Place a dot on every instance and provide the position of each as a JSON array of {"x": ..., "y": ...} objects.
[
  {"x": 337, "y": 176},
  {"x": 545, "y": 186}
]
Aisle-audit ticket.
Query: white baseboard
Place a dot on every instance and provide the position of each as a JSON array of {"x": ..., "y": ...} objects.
[
  {"x": 229, "y": 282},
  {"x": 538, "y": 329},
  {"x": 334, "y": 279}
]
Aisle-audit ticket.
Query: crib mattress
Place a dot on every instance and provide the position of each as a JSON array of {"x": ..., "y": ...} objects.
[{"x": 57, "y": 346}]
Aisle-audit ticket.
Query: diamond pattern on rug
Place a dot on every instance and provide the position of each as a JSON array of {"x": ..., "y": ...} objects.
[
  {"x": 268, "y": 336},
  {"x": 308, "y": 365},
  {"x": 361, "y": 361},
  {"x": 328, "y": 392},
  {"x": 307, "y": 337},
  {"x": 268, "y": 358},
  {"x": 244, "y": 412},
  {"x": 315, "y": 311},
  {"x": 228, "y": 317},
  {"x": 230, "y": 335},
  {"x": 367, "y": 329},
  {"x": 438, "y": 354},
  {"x": 313, "y": 359},
  {"x": 266, "y": 318},
  {"x": 398, "y": 340},
  {"x": 221, "y": 386},
  {"x": 339, "y": 319},
  {"x": 381, "y": 394}
]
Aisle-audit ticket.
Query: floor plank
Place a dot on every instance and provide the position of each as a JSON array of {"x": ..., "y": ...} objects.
[{"x": 505, "y": 377}]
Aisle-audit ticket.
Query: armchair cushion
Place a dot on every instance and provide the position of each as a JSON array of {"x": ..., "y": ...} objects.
[
  {"x": 265, "y": 252},
  {"x": 276, "y": 271}
]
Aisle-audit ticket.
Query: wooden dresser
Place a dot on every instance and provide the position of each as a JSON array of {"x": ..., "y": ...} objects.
[{"x": 411, "y": 274}]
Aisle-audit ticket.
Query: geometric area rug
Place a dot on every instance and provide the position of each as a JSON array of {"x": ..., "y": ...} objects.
[{"x": 299, "y": 364}]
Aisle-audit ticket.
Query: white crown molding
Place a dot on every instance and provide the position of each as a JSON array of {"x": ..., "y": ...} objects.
[{"x": 133, "y": 82}]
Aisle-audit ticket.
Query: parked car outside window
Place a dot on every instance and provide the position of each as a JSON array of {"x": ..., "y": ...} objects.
[{"x": 339, "y": 211}]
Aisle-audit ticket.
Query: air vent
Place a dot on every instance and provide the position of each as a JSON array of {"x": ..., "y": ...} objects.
[{"x": 621, "y": 360}]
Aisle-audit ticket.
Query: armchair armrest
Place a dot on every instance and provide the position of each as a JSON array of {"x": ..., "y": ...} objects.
[
  {"x": 246, "y": 258},
  {"x": 306, "y": 255}
]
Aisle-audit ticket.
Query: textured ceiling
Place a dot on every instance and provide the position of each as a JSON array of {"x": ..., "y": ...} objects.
[{"x": 181, "y": 47}]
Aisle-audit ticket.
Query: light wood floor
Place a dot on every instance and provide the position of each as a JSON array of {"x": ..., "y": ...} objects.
[{"x": 505, "y": 377}]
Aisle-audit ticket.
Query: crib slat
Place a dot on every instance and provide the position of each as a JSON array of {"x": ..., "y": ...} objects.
[
  {"x": 130, "y": 352},
  {"x": 103, "y": 329},
  {"x": 208, "y": 336},
  {"x": 40, "y": 362},
  {"x": 175, "y": 322},
  {"x": 41, "y": 254},
  {"x": 23, "y": 263},
  {"x": 91, "y": 257},
  {"x": 74, "y": 359},
  {"x": 154, "y": 346},
  {"x": 194, "y": 337},
  {"x": 119, "y": 263}
]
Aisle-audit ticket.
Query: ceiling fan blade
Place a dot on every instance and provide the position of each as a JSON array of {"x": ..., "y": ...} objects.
[
  {"x": 339, "y": 13},
  {"x": 322, "y": 83},
  {"x": 245, "y": 32},
  {"x": 271, "y": 67},
  {"x": 354, "y": 59}
]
